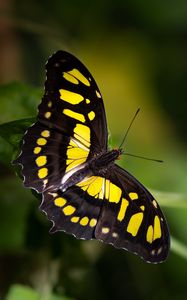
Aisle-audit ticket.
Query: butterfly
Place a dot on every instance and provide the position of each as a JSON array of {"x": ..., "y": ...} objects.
[{"x": 65, "y": 157}]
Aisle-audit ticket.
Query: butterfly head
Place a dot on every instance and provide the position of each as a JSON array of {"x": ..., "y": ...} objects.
[{"x": 117, "y": 152}]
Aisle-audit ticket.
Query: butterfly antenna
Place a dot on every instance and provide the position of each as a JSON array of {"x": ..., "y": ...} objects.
[
  {"x": 125, "y": 136},
  {"x": 143, "y": 157}
]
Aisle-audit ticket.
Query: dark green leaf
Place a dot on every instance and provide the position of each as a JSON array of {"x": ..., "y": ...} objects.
[
  {"x": 13, "y": 131},
  {"x": 18, "y": 100}
]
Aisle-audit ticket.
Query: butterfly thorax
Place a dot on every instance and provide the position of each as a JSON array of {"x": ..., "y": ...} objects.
[
  {"x": 97, "y": 165},
  {"x": 102, "y": 161}
]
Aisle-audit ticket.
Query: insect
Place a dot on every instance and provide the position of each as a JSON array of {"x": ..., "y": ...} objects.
[{"x": 65, "y": 156}]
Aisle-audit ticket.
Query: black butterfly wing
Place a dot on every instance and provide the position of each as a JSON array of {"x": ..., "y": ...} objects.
[
  {"x": 73, "y": 211},
  {"x": 72, "y": 96},
  {"x": 71, "y": 124},
  {"x": 133, "y": 221},
  {"x": 114, "y": 208}
]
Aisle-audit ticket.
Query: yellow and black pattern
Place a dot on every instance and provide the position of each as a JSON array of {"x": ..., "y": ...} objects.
[
  {"x": 71, "y": 98},
  {"x": 72, "y": 211},
  {"x": 43, "y": 157},
  {"x": 117, "y": 210},
  {"x": 133, "y": 219},
  {"x": 67, "y": 122},
  {"x": 65, "y": 157}
]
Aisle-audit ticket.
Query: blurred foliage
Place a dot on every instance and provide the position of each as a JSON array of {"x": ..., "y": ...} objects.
[
  {"x": 18, "y": 292},
  {"x": 136, "y": 51}
]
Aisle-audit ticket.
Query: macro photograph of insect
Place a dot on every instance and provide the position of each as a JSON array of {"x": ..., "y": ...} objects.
[{"x": 93, "y": 150}]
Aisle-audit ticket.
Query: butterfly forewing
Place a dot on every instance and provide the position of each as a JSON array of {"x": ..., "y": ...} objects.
[
  {"x": 72, "y": 97},
  {"x": 71, "y": 124},
  {"x": 68, "y": 138},
  {"x": 43, "y": 157}
]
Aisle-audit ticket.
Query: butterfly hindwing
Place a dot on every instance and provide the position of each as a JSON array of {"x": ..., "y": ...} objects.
[
  {"x": 73, "y": 211},
  {"x": 116, "y": 209},
  {"x": 134, "y": 220}
]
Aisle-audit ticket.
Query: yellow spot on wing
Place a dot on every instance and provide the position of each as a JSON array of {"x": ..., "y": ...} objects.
[
  {"x": 105, "y": 230},
  {"x": 71, "y": 163},
  {"x": 123, "y": 208},
  {"x": 69, "y": 210},
  {"x": 91, "y": 115},
  {"x": 41, "y": 141},
  {"x": 133, "y": 196},
  {"x": 86, "y": 182},
  {"x": 93, "y": 222},
  {"x": 142, "y": 207},
  {"x": 45, "y": 133},
  {"x": 72, "y": 143},
  {"x": 157, "y": 228},
  {"x": 81, "y": 140},
  {"x": 84, "y": 221},
  {"x": 115, "y": 193},
  {"x": 79, "y": 76},
  {"x": 49, "y": 104},
  {"x": 95, "y": 187},
  {"x": 107, "y": 188},
  {"x": 47, "y": 114},
  {"x": 53, "y": 194},
  {"x": 37, "y": 150},
  {"x": 74, "y": 115},
  {"x": 41, "y": 160},
  {"x": 87, "y": 101},
  {"x": 82, "y": 134},
  {"x": 101, "y": 194},
  {"x": 70, "y": 97},
  {"x": 42, "y": 173},
  {"x": 70, "y": 78},
  {"x": 60, "y": 201},
  {"x": 83, "y": 131},
  {"x": 134, "y": 223},
  {"x": 98, "y": 94},
  {"x": 115, "y": 234},
  {"x": 74, "y": 153},
  {"x": 75, "y": 219},
  {"x": 149, "y": 236},
  {"x": 76, "y": 144},
  {"x": 45, "y": 181}
]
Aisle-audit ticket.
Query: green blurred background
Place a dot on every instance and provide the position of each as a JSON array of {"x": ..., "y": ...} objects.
[{"x": 137, "y": 52}]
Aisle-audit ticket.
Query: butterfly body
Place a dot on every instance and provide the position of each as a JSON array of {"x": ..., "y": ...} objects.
[
  {"x": 65, "y": 157},
  {"x": 104, "y": 161},
  {"x": 99, "y": 165}
]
